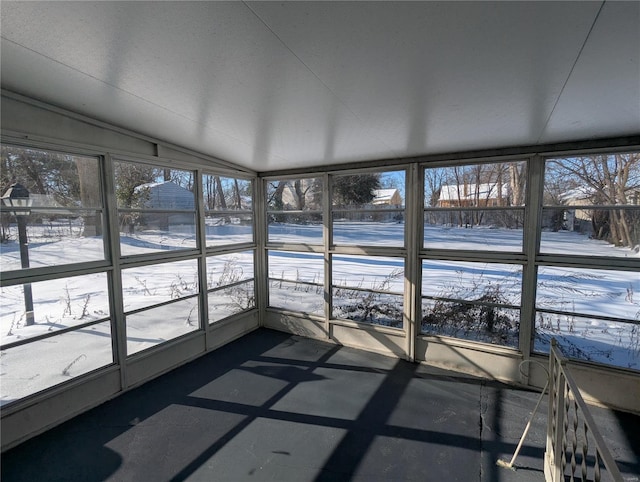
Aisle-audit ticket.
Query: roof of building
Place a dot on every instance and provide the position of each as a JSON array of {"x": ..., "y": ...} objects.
[
  {"x": 471, "y": 191},
  {"x": 383, "y": 196}
]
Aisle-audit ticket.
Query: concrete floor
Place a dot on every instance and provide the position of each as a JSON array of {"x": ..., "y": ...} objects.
[{"x": 271, "y": 406}]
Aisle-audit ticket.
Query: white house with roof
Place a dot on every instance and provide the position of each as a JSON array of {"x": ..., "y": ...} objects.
[
  {"x": 386, "y": 198},
  {"x": 472, "y": 194},
  {"x": 166, "y": 195}
]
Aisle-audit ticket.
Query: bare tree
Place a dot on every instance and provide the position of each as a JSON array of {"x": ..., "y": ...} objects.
[
  {"x": 433, "y": 181},
  {"x": 606, "y": 180}
]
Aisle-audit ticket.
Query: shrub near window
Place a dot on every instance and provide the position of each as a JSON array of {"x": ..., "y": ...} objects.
[{"x": 474, "y": 301}]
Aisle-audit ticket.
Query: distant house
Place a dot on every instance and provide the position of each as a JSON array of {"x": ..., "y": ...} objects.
[
  {"x": 168, "y": 196},
  {"x": 386, "y": 198},
  {"x": 576, "y": 219},
  {"x": 474, "y": 195},
  {"x": 580, "y": 218},
  {"x": 586, "y": 195}
]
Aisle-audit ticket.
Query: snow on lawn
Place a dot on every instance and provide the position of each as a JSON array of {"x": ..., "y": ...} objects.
[
  {"x": 484, "y": 238},
  {"x": 590, "y": 339},
  {"x": 29, "y": 368},
  {"x": 594, "y": 292},
  {"x": 74, "y": 301},
  {"x": 476, "y": 238},
  {"x": 296, "y": 281},
  {"x": 52, "y": 252},
  {"x": 571, "y": 242}
]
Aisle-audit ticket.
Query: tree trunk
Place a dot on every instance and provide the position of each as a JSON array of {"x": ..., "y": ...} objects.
[
  {"x": 211, "y": 193},
  {"x": 278, "y": 203},
  {"x": 220, "y": 192},
  {"x": 90, "y": 196},
  {"x": 299, "y": 195},
  {"x": 516, "y": 181},
  {"x": 237, "y": 193}
]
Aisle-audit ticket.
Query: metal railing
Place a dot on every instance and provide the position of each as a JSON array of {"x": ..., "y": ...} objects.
[{"x": 575, "y": 449}]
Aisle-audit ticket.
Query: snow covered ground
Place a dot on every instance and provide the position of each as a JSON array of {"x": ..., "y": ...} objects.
[
  {"x": 483, "y": 238},
  {"x": 296, "y": 280}
]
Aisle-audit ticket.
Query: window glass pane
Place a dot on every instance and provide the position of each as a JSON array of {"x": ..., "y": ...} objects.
[
  {"x": 590, "y": 339},
  {"x": 230, "y": 284},
  {"x": 30, "y": 368},
  {"x": 589, "y": 291},
  {"x": 56, "y": 304},
  {"x": 588, "y": 232},
  {"x": 229, "y": 228},
  {"x": 227, "y": 269},
  {"x": 574, "y": 185},
  {"x": 495, "y": 186},
  {"x": 154, "y": 326},
  {"x": 303, "y": 194},
  {"x": 386, "y": 232},
  {"x": 226, "y": 193},
  {"x": 51, "y": 240},
  {"x": 471, "y": 300},
  {"x": 53, "y": 179},
  {"x": 296, "y": 281},
  {"x": 156, "y": 208},
  {"x": 369, "y": 272},
  {"x": 603, "y": 179},
  {"x": 493, "y": 230},
  {"x": 294, "y": 211},
  {"x": 476, "y": 185},
  {"x": 368, "y": 209},
  {"x": 144, "y": 232},
  {"x": 140, "y": 186},
  {"x": 468, "y": 321},
  {"x": 382, "y": 309},
  {"x": 62, "y": 220},
  {"x": 368, "y": 289},
  {"x": 304, "y": 228},
  {"x": 379, "y": 190},
  {"x": 227, "y": 301},
  {"x": 149, "y": 285},
  {"x": 469, "y": 281}
]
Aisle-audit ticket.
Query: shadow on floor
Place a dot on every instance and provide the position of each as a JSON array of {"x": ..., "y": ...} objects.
[{"x": 271, "y": 406}]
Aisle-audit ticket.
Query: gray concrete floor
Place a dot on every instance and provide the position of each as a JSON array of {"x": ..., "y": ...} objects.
[{"x": 271, "y": 406}]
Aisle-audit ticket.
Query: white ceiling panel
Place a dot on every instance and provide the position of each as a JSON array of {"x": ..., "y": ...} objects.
[
  {"x": 439, "y": 76},
  {"x": 602, "y": 96},
  {"x": 271, "y": 85}
]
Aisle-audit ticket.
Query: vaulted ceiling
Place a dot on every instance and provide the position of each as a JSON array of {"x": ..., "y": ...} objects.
[{"x": 273, "y": 85}]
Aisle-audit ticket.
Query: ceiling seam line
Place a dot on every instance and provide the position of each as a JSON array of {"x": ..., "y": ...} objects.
[
  {"x": 314, "y": 74},
  {"x": 575, "y": 62},
  {"x": 123, "y": 90}
]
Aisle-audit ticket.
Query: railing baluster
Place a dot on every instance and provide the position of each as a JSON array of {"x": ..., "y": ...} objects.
[
  {"x": 585, "y": 451},
  {"x": 565, "y": 402},
  {"x": 559, "y": 435},
  {"x": 574, "y": 437},
  {"x": 565, "y": 427},
  {"x": 549, "y": 455}
]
